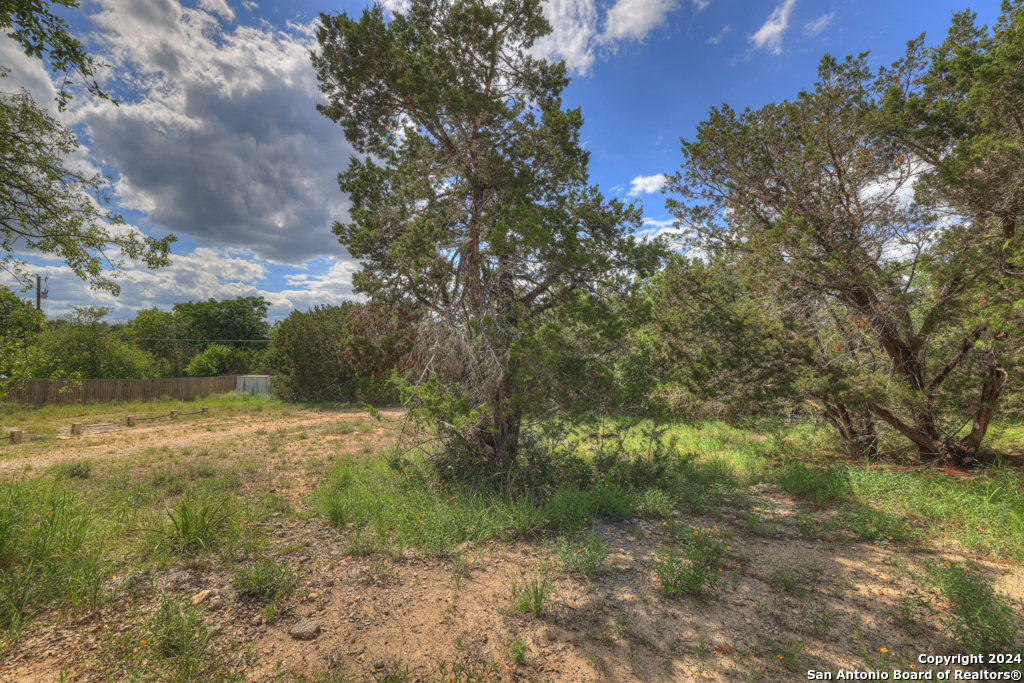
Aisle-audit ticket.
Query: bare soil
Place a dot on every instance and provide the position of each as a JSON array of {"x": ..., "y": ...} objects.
[{"x": 377, "y": 611}]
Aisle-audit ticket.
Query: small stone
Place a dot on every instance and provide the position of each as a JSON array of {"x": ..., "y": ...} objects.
[
  {"x": 307, "y": 629},
  {"x": 257, "y": 620},
  {"x": 216, "y": 604},
  {"x": 357, "y": 652},
  {"x": 304, "y": 559},
  {"x": 201, "y": 597},
  {"x": 378, "y": 665},
  {"x": 314, "y": 596}
]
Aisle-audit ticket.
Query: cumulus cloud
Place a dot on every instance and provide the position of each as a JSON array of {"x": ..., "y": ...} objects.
[
  {"x": 813, "y": 28},
  {"x": 219, "y": 7},
  {"x": 394, "y": 6},
  {"x": 633, "y": 19},
  {"x": 714, "y": 40},
  {"x": 646, "y": 184},
  {"x": 699, "y": 5},
  {"x": 220, "y": 139},
  {"x": 577, "y": 36},
  {"x": 769, "y": 36}
]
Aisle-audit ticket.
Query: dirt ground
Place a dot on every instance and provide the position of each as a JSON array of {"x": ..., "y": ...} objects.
[{"x": 376, "y": 611}]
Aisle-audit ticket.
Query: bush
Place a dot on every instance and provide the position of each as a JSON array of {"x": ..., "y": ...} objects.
[
  {"x": 210, "y": 362},
  {"x": 177, "y": 631},
  {"x": 569, "y": 509},
  {"x": 819, "y": 486}
]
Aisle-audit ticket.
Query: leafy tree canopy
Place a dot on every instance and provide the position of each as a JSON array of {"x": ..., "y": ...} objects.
[{"x": 224, "y": 322}]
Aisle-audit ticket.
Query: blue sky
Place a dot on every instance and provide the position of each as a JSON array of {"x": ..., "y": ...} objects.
[{"x": 218, "y": 141}]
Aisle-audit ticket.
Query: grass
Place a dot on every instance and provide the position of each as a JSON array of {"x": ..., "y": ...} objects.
[
  {"x": 697, "y": 569},
  {"x": 266, "y": 581},
  {"x": 982, "y": 620},
  {"x": 528, "y": 597},
  {"x": 582, "y": 553}
]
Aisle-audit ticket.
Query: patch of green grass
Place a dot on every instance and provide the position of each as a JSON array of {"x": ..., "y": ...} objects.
[
  {"x": 517, "y": 650},
  {"x": 816, "y": 485},
  {"x": 265, "y": 581},
  {"x": 198, "y": 523},
  {"x": 78, "y": 469},
  {"x": 585, "y": 554},
  {"x": 528, "y": 597},
  {"x": 177, "y": 630},
  {"x": 51, "y": 553},
  {"x": 696, "y": 569},
  {"x": 981, "y": 619}
]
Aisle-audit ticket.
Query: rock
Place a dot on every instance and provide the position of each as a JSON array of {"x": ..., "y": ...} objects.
[
  {"x": 216, "y": 604},
  {"x": 257, "y": 620},
  {"x": 313, "y": 596},
  {"x": 307, "y": 629},
  {"x": 304, "y": 559},
  {"x": 357, "y": 652},
  {"x": 202, "y": 596},
  {"x": 378, "y": 665}
]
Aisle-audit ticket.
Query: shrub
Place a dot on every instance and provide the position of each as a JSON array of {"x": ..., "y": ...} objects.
[
  {"x": 819, "y": 486},
  {"x": 210, "y": 362}
]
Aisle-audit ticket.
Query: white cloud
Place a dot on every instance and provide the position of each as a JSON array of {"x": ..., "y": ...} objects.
[
  {"x": 220, "y": 139},
  {"x": 575, "y": 36},
  {"x": 573, "y": 28},
  {"x": 714, "y": 40},
  {"x": 634, "y": 19},
  {"x": 394, "y": 6},
  {"x": 646, "y": 184},
  {"x": 699, "y": 5},
  {"x": 220, "y": 7},
  {"x": 249, "y": 5},
  {"x": 769, "y": 36},
  {"x": 813, "y": 28}
]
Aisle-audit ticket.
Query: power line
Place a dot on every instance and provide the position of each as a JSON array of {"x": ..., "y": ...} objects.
[{"x": 193, "y": 340}]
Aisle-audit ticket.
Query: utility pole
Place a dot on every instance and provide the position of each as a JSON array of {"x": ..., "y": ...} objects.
[{"x": 39, "y": 298}]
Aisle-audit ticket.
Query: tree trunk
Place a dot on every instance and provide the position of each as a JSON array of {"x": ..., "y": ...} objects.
[{"x": 995, "y": 377}]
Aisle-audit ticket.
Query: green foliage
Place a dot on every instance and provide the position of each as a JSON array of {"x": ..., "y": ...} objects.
[
  {"x": 697, "y": 569},
  {"x": 78, "y": 469},
  {"x": 210, "y": 362},
  {"x": 480, "y": 212},
  {"x": 341, "y": 353},
  {"x": 159, "y": 333},
  {"x": 37, "y": 30},
  {"x": 198, "y": 523},
  {"x": 582, "y": 553},
  {"x": 48, "y": 555},
  {"x": 177, "y": 631},
  {"x": 528, "y": 597},
  {"x": 802, "y": 301},
  {"x": 47, "y": 207},
  {"x": 265, "y": 581},
  {"x": 81, "y": 345},
  {"x": 982, "y": 620},
  {"x": 224, "y": 322},
  {"x": 820, "y": 486}
]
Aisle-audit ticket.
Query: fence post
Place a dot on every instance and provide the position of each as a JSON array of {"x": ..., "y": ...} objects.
[
  {"x": 174, "y": 414},
  {"x": 206, "y": 410},
  {"x": 15, "y": 436},
  {"x": 131, "y": 420},
  {"x": 76, "y": 427}
]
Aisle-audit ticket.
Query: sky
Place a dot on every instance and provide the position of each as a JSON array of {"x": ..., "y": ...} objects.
[{"x": 217, "y": 139}]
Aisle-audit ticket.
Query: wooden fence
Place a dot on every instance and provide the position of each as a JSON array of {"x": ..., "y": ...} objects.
[{"x": 66, "y": 391}]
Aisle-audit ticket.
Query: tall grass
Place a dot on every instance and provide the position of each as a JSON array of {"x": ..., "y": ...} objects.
[{"x": 51, "y": 554}]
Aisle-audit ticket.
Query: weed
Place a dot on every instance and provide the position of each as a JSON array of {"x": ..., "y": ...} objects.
[
  {"x": 517, "y": 650},
  {"x": 584, "y": 554},
  {"x": 697, "y": 569},
  {"x": 528, "y": 597},
  {"x": 981, "y": 619},
  {"x": 819, "y": 486},
  {"x": 265, "y": 581},
  {"x": 177, "y": 631},
  {"x": 199, "y": 523},
  {"x": 79, "y": 469}
]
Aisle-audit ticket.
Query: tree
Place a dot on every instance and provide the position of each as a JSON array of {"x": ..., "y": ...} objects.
[
  {"x": 159, "y": 333},
  {"x": 868, "y": 303},
  {"x": 230, "y": 322},
  {"x": 18, "y": 354},
  {"x": 80, "y": 345},
  {"x": 39, "y": 31},
  {"x": 472, "y": 201}
]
